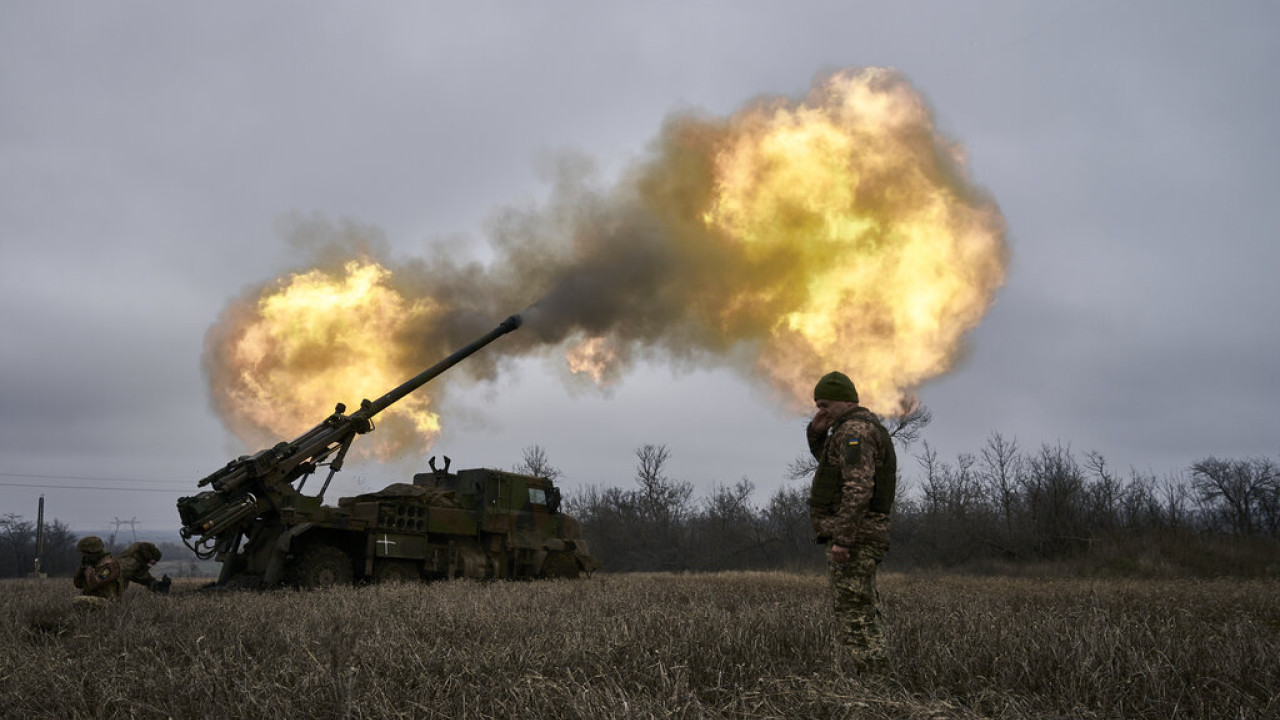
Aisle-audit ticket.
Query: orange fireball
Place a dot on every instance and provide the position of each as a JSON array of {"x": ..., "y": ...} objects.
[{"x": 838, "y": 231}]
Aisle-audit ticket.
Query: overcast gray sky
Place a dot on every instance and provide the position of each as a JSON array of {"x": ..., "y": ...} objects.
[{"x": 150, "y": 151}]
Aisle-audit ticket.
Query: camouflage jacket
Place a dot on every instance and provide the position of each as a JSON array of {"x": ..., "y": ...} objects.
[
  {"x": 853, "y": 487},
  {"x": 100, "y": 577},
  {"x": 135, "y": 569}
]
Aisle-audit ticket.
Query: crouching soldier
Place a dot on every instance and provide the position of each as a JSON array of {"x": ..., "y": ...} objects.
[
  {"x": 99, "y": 574},
  {"x": 135, "y": 566},
  {"x": 104, "y": 577}
]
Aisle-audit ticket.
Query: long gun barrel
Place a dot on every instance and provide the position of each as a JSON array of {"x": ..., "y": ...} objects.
[
  {"x": 252, "y": 485},
  {"x": 369, "y": 409}
]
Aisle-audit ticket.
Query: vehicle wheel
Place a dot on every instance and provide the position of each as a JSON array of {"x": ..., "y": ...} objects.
[
  {"x": 323, "y": 566},
  {"x": 386, "y": 571},
  {"x": 560, "y": 565}
]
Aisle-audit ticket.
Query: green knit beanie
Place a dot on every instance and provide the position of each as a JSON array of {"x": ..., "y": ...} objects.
[{"x": 835, "y": 386}]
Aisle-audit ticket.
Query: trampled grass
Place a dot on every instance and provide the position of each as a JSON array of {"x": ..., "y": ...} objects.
[{"x": 729, "y": 645}]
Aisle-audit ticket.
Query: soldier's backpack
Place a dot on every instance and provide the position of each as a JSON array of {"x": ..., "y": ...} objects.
[{"x": 104, "y": 572}]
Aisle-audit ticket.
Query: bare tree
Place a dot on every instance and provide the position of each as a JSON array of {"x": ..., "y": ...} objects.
[
  {"x": 17, "y": 545},
  {"x": 1053, "y": 486},
  {"x": 932, "y": 482},
  {"x": 1104, "y": 492},
  {"x": 786, "y": 521},
  {"x": 1002, "y": 467},
  {"x": 1269, "y": 504},
  {"x": 729, "y": 505},
  {"x": 802, "y": 466},
  {"x": 1139, "y": 503},
  {"x": 535, "y": 463},
  {"x": 664, "y": 500},
  {"x": 1236, "y": 489},
  {"x": 729, "y": 532},
  {"x": 905, "y": 429},
  {"x": 1175, "y": 496}
]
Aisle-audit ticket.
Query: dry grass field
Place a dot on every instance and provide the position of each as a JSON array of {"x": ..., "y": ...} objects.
[{"x": 730, "y": 645}]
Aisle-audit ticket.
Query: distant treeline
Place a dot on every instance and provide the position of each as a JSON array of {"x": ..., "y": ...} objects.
[
  {"x": 1001, "y": 509},
  {"x": 18, "y": 549}
]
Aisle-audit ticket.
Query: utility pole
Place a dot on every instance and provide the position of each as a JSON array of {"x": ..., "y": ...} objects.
[{"x": 39, "y": 541}]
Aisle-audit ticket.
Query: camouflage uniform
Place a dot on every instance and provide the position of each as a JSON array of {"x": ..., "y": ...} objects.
[
  {"x": 103, "y": 576},
  {"x": 136, "y": 562},
  {"x": 849, "y": 505},
  {"x": 99, "y": 575}
]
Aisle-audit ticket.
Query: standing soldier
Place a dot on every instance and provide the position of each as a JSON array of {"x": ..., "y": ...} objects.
[{"x": 849, "y": 504}]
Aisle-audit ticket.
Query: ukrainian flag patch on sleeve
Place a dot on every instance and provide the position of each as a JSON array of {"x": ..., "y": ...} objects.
[{"x": 853, "y": 450}]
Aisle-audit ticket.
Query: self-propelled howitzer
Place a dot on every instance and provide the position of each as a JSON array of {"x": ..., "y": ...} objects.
[{"x": 257, "y": 522}]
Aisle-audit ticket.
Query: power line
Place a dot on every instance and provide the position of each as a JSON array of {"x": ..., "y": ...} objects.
[
  {"x": 83, "y": 477},
  {"x": 90, "y": 487},
  {"x": 63, "y": 486}
]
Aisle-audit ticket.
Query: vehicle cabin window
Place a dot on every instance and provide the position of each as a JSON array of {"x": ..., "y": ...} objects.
[{"x": 537, "y": 496}]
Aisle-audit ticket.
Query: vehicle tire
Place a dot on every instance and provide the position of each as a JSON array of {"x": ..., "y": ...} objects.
[
  {"x": 387, "y": 571},
  {"x": 560, "y": 565},
  {"x": 322, "y": 566}
]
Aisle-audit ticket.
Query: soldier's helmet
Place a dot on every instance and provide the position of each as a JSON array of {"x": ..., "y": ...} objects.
[
  {"x": 90, "y": 545},
  {"x": 145, "y": 551}
]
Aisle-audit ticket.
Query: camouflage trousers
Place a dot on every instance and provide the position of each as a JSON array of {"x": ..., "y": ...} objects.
[{"x": 857, "y": 606}]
